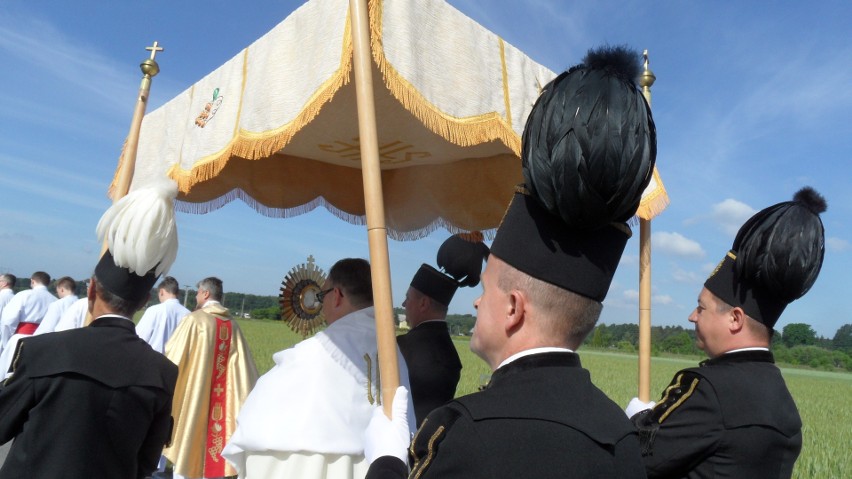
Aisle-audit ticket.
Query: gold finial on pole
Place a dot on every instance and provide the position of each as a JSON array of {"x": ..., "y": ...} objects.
[
  {"x": 645, "y": 81},
  {"x": 149, "y": 68}
]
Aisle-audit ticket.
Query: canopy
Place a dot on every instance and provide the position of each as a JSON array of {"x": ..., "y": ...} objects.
[{"x": 276, "y": 125}]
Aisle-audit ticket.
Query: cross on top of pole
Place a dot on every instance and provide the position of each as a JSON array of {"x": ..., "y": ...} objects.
[{"x": 154, "y": 49}]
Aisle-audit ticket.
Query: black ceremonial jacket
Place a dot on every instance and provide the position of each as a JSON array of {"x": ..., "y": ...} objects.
[
  {"x": 540, "y": 417},
  {"x": 731, "y": 417},
  {"x": 92, "y": 402},
  {"x": 434, "y": 367}
]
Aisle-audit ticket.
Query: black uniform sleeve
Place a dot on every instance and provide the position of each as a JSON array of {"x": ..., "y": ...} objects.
[
  {"x": 17, "y": 397},
  {"x": 387, "y": 467},
  {"x": 682, "y": 430},
  {"x": 159, "y": 434}
]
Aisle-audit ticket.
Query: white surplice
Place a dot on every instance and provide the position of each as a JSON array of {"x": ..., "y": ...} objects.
[
  {"x": 54, "y": 313},
  {"x": 28, "y": 306},
  {"x": 75, "y": 316},
  {"x": 306, "y": 417},
  {"x": 159, "y": 322}
]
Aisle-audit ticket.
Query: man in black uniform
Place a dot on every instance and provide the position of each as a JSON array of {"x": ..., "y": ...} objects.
[
  {"x": 733, "y": 416},
  {"x": 92, "y": 402},
  {"x": 434, "y": 367},
  {"x": 589, "y": 148}
]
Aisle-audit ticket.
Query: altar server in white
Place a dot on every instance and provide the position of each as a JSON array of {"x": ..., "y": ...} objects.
[
  {"x": 75, "y": 316},
  {"x": 66, "y": 289},
  {"x": 26, "y": 309},
  {"x": 7, "y": 291},
  {"x": 159, "y": 321}
]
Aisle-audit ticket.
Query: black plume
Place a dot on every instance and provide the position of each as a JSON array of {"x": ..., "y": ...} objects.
[
  {"x": 811, "y": 200},
  {"x": 590, "y": 144},
  {"x": 781, "y": 248},
  {"x": 620, "y": 61},
  {"x": 461, "y": 257}
]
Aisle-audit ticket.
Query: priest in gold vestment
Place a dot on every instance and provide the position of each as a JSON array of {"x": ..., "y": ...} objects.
[{"x": 217, "y": 373}]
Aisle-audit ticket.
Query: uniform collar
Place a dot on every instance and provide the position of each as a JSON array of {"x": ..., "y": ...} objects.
[
  {"x": 741, "y": 356},
  {"x": 561, "y": 358},
  {"x": 113, "y": 320}
]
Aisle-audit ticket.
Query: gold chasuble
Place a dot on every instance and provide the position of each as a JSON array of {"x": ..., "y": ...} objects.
[{"x": 217, "y": 373}]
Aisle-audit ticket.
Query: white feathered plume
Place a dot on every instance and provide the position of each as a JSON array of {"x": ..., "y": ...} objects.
[{"x": 140, "y": 228}]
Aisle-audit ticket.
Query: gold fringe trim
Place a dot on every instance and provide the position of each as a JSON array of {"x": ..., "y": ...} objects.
[
  {"x": 459, "y": 131},
  {"x": 656, "y": 202},
  {"x": 255, "y": 146},
  {"x": 205, "y": 207}
]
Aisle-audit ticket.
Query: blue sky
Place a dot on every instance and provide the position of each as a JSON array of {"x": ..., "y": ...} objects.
[{"x": 751, "y": 103}]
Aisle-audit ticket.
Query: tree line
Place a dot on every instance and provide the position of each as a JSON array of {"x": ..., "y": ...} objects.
[{"x": 796, "y": 344}]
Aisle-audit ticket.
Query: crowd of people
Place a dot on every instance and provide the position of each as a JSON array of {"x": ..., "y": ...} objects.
[{"x": 178, "y": 394}]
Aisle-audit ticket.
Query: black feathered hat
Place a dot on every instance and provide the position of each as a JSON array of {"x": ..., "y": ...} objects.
[
  {"x": 589, "y": 149},
  {"x": 460, "y": 257},
  {"x": 775, "y": 259}
]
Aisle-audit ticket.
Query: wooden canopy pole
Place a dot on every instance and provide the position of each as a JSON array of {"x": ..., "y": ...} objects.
[
  {"x": 125, "y": 176},
  {"x": 645, "y": 81},
  {"x": 374, "y": 202},
  {"x": 127, "y": 165}
]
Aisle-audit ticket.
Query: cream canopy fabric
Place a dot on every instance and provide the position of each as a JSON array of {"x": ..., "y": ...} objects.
[{"x": 276, "y": 126}]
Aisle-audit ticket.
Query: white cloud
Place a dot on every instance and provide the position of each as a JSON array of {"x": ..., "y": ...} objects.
[
  {"x": 708, "y": 268},
  {"x": 631, "y": 294},
  {"x": 676, "y": 244},
  {"x": 689, "y": 277},
  {"x": 629, "y": 260},
  {"x": 837, "y": 244},
  {"x": 731, "y": 214},
  {"x": 662, "y": 299}
]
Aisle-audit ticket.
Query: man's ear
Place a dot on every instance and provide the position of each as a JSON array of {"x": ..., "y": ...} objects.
[
  {"x": 516, "y": 306},
  {"x": 424, "y": 303},
  {"x": 91, "y": 291},
  {"x": 737, "y": 319}
]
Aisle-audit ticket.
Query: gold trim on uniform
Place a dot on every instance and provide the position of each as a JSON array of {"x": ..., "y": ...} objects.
[
  {"x": 692, "y": 386},
  {"x": 418, "y": 469}
]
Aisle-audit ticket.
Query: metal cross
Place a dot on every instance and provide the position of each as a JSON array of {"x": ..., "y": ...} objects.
[{"x": 154, "y": 49}]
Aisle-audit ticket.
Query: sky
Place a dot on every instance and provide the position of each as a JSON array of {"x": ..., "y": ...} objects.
[{"x": 751, "y": 103}]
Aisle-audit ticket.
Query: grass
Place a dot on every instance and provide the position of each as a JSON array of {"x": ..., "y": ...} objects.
[{"x": 823, "y": 397}]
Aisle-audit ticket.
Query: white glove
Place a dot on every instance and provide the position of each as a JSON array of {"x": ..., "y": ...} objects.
[
  {"x": 635, "y": 406},
  {"x": 389, "y": 437}
]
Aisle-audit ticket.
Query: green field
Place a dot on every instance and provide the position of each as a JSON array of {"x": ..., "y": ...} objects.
[{"x": 823, "y": 397}]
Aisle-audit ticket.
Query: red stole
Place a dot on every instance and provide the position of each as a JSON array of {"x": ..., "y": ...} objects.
[{"x": 214, "y": 464}]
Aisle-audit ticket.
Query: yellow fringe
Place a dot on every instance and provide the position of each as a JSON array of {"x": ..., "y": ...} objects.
[
  {"x": 460, "y": 131},
  {"x": 255, "y": 146},
  {"x": 656, "y": 201}
]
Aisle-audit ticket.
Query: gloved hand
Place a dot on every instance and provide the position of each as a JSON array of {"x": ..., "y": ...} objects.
[
  {"x": 636, "y": 406},
  {"x": 389, "y": 437}
]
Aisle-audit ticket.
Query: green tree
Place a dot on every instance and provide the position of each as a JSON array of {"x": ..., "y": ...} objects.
[
  {"x": 842, "y": 340},
  {"x": 796, "y": 334},
  {"x": 601, "y": 338},
  {"x": 679, "y": 343}
]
